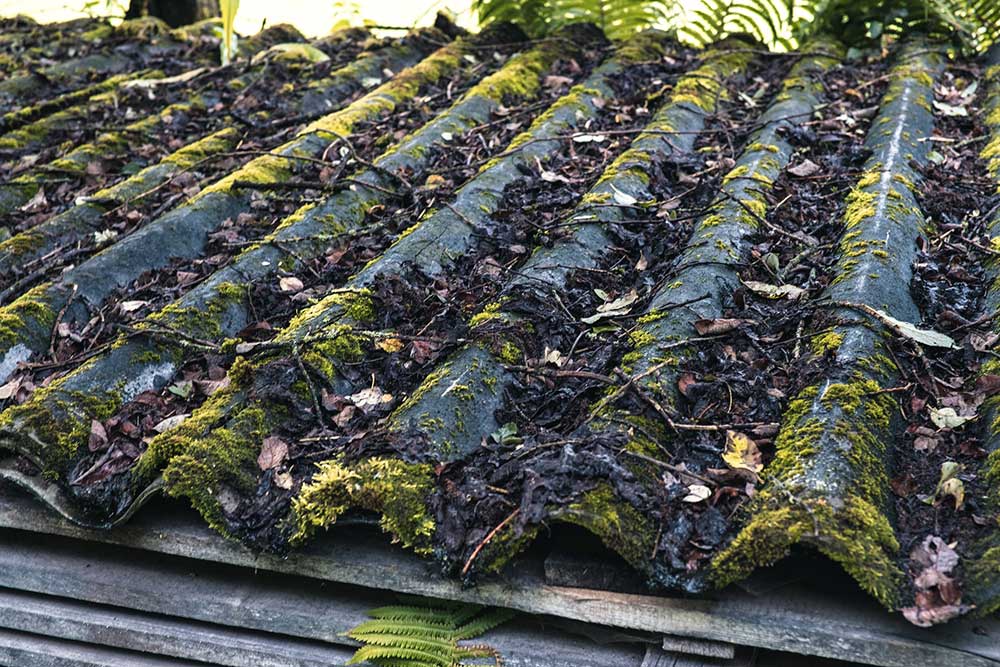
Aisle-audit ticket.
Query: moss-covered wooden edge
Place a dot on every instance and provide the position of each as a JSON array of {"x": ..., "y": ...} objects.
[
  {"x": 50, "y": 428},
  {"x": 446, "y": 233},
  {"x": 828, "y": 484},
  {"x": 983, "y": 574}
]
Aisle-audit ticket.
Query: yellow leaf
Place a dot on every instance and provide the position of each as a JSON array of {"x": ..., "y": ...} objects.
[
  {"x": 741, "y": 453},
  {"x": 434, "y": 181},
  {"x": 389, "y": 345}
]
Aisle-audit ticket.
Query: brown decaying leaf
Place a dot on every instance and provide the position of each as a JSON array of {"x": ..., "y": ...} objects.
[
  {"x": 273, "y": 453},
  {"x": 98, "y": 436},
  {"x": 938, "y": 597},
  {"x": 719, "y": 326}
]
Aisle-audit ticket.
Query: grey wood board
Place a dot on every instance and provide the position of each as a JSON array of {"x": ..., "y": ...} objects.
[
  {"x": 158, "y": 635},
  {"x": 656, "y": 657},
  {"x": 19, "y": 649},
  {"x": 269, "y": 610},
  {"x": 853, "y": 628}
]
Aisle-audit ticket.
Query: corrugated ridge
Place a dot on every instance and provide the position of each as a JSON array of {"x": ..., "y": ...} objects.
[{"x": 828, "y": 485}]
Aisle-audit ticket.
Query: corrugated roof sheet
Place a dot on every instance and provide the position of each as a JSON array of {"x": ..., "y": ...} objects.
[{"x": 708, "y": 306}]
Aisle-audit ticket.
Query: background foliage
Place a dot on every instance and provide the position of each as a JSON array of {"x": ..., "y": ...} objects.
[{"x": 780, "y": 24}]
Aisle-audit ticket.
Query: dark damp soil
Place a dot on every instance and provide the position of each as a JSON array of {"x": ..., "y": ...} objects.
[
  {"x": 958, "y": 197},
  {"x": 548, "y": 469}
]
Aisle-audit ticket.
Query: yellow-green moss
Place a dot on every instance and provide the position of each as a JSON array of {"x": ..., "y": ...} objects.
[
  {"x": 509, "y": 353},
  {"x": 58, "y": 422},
  {"x": 858, "y": 536},
  {"x": 395, "y": 489},
  {"x": 203, "y": 321},
  {"x": 165, "y": 446},
  {"x": 30, "y": 309},
  {"x": 621, "y": 527},
  {"x": 757, "y": 146},
  {"x": 226, "y": 457},
  {"x": 490, "y": 311},
  {"x": 827, "y": 342}
]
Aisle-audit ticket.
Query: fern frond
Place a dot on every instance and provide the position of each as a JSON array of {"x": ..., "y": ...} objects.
[
  {"x": 425, "y": 636},
  {"x": 378, "y": 653},
  {"x": 442, "y": 648},
  {"x": 484, "y": 623},
  {"x": 407, "y": 613},
  {"x": 402, "y": 629},
  {"x": 779, "y": 24}
]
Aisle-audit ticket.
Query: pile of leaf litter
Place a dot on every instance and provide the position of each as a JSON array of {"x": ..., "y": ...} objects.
[
  {"x": 118, "y": 441},
  {"x": 428, "y": 315},
  {"x": 575, "y": 340},
  {"x": 939, "y": 494}
]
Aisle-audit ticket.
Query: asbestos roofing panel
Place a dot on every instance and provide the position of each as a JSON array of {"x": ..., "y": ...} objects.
[{"x": 709, "y": 306}]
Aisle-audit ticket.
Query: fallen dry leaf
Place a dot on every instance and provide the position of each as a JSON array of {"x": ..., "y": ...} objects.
[
  {"x": 283, "y": 480},
  {"x": 130, "y": 306},
  {"x": 742, "y": 453},
  {"x": 170, "y": 422},
  {"x": 613, "y": 308},
  {"x": 290, "y": 284},
  {"x": 938, "y": 597},
  {"x": 947, "y": 417},
  {"x": 697, "y": 493},
  {"x": 370, "y": 399},
  {"x": 9, "y": 389},
  {"x": 790, "y": 292},
  {"x": 389, "y": 344},
  {"x": 98, "y": 436},
  {"x": 273, "y": 453},
  {"x": 719, "y": 326},
  {"x": 804, "y": 168}
]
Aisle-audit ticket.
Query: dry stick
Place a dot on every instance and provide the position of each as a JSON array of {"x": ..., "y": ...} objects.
[
  {"x": 55, "y": 325},
  {"x": 671, "y": 468},
  {"x": 770, "y": 225},
  {"x": 489, "y": 536},
  {"x": 549, "y": 372},
  {"x": 16, "y": 289}
]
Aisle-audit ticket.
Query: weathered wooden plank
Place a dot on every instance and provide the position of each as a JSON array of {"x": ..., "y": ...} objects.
[
  {"x": 156, "y": 635},
  {"x": 847, "y": 627},
  {"x": 229, "y": 616},
  {"x": 18, "y": 649},
  {"x": 700, "y": 647},
  {"x": 656, "y": 657}
]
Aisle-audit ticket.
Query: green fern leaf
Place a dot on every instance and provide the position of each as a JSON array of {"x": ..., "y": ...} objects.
[
  {"x": 377, "y": 653},
  {"x": 424, "y": 636},
  {"x": 484, "y": 623},
  {"x": 402, "y": 629}
]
